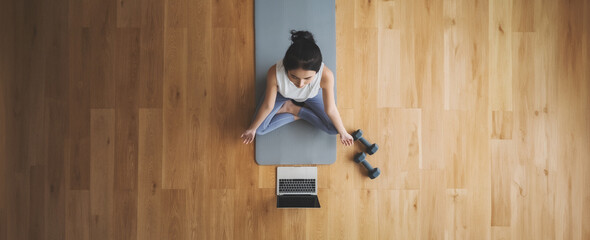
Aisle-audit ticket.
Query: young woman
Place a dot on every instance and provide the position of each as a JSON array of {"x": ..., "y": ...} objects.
[{"x": 299, "y": 86}]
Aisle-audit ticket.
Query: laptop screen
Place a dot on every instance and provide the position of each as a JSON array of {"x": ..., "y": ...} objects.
[{"x": 298, "y": 201}]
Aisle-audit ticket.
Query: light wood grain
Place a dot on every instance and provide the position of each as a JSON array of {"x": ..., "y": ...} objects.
[
  {"x": 389, "y": 75},
  {"x": 455, "y": 147},
  {"x": 400, "y": 149},
  {"x": 432, "y": 204},
  {"x": 457, "y": 205},
  {"x": 121, "y": 120},
  {"x": 399, "y": 214},
  {"x": 502, "y": 124},
  {"x": 500, "y": 62},
  {"x": 523, "y": 15},
  {"x": 503, "y": 157}
]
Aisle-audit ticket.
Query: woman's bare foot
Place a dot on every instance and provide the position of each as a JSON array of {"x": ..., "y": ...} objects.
[{"x": 289, "y": 107}]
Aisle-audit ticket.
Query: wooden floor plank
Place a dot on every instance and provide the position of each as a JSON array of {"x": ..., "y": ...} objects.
[
  {"x": 568, "y": 208},
  {"x": 222, "y": 164},
  {"x": 345, "y": 75},
  {"x": 245, "y": 222},
  {"x": 294, "y": 225},
  {"x": 18, "y": 213},
  {"x": 400, "y": 149},
  {"x": 398, "y": 216},
  {"x": 455, "y": 145},
  {"x": 37, "y": 202},
  {"x": 389, "y": 15},
  {"x": 126, "y": 110},
  {"x": 199, "y": 34},
  {"x": 78, "y": 215},
  {"x": 55, "y": 183},
  {"x": 586, "y": 186},
  {"x": 366, "y": 14},
  {"x": 410, "y": 86},
  {"x": 523, "y": 16},
  {"x": 125, "y": 214},
  {"x": 432, "y": 204},
  {"x": 221, "y": 210},
  {"x": 429, "y": 67},
  {"x": 342, "y": 216},
  {"x": 502, "y": 125},
  {"x": 501, "y": 233},
  {"x": 129, "y": 13},
  {"x": 174, "y": 174},
  {"x": 269, "y": 218},
  {"x": 149, "y": 174},
  {"x": 503, "y": 157},
  {"x": 535, "y": 175},
  {"x": 318, "y": 220},
  {"x": 3, "y": 225},
  {"x": 224, "y": 14},
  {"x": 79, "y": 89},
  {"x": 457, "y": 207},
  {"x": 176, "y": 13},
  {"x": 500, "y": 56},
  {"x": 100, "y": 68},
  {"x": 389, "y": 67},
  {"x": 151, "y": 66},
  {"x": 102, "y": 172},
  {"x": 174, "y": 214},
  {"x": 368, "y": 208}
]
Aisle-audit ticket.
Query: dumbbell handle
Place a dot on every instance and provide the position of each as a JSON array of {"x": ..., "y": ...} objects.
[
  {"x": 364, "y": 141},
  {"x": 367, "y": 165}
]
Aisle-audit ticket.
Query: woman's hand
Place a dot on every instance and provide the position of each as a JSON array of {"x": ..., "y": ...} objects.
[
  {"x": 248, "y": 135},
  {"x": 346, "y": 139}
]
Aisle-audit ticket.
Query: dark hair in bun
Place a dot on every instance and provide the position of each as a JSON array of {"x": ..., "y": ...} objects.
[{"x": 303, "y": 52}]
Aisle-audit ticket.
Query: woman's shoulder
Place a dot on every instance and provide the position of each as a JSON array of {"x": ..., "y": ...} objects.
[
  {"x": 271, "y": 75},
  {"x": 272, "y": 68},
  {"x": 327, "y": 77},
  {"x": 327, "y": 72}
]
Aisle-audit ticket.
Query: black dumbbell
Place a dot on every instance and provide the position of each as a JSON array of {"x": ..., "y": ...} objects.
[
  {"x": 361, "y": 158},
  {"x": 371, "y": 148}
]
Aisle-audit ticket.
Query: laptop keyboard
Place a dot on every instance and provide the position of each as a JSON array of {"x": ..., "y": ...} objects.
[{"x": 296, "y": 185}]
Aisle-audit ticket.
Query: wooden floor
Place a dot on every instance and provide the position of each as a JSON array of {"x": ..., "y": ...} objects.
[{"x": 121, "y": 119}]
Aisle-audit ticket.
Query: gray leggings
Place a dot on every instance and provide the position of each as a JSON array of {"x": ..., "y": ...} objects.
[{"x": 313, "y": 112}]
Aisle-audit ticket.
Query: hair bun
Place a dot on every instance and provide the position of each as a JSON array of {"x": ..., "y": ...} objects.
[{"x": 301, "y": 35}]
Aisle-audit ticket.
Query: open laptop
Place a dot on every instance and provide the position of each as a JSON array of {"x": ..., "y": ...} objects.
[{"x": 297, "y": 187}]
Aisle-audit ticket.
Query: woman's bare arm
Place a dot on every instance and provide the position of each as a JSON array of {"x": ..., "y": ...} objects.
[
  {"x": 270, "y": 96},
  {"x": 327, "y": 85},
  {"x": 266, "y": 107}
]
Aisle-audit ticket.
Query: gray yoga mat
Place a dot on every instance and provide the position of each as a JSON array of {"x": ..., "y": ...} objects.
[{"x": 297, "y": 142}]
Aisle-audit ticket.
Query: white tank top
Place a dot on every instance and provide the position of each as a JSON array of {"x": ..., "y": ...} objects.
[{"x": 289, "y": 90}]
